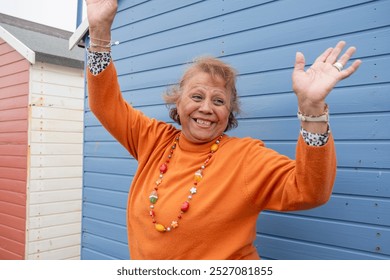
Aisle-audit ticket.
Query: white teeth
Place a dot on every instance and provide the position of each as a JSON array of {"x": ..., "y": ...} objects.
[{"x": 202, "y": 122}]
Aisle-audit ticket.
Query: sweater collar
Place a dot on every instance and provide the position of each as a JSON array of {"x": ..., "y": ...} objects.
[{"x": 189, "y": 146}]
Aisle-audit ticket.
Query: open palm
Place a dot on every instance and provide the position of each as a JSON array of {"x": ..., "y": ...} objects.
[
  {"x": 313, "y": 85},
  {"x": 101, "y": 12}
]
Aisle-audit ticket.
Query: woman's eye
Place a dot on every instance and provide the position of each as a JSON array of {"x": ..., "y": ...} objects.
[
  {"x": 219, "y": 102},
  {"x": 197, "y": 97}
]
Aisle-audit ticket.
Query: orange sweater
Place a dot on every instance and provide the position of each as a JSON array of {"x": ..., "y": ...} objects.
[{"x": 242, "y": 179}]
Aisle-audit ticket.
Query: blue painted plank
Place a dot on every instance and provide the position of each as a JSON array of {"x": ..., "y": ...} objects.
[
  {"x": 364, "y": 238},
  {"x": 90, "y": 119},
  {"x": 115, "y": 215},
  {"x": 106, "y": 246},
  {"x": 145, "y": 97},
  {"x": 110, "y": 166},
  {"x": 105, "y": 197},
  {"x": 371, "y": 182},
  {"x": 119, "y": 183},
  {"x": 95, "y": 132},
  {"x": 105, "y": 230},
  {"x": 362, "y": 99},
  {"x": 367, "y": 154},
  {"x": 361, "y": 127},
  {"x": 278, "y": 248},
  {"x": 110, "y": 149},
  {"x": 349, "y": 154},
  {"x": 348, "y": 208},
  {"x": 88, "y": 254},
  {"x": 355, "y": 127}
]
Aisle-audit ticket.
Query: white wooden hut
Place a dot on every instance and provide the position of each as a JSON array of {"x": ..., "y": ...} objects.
[{"x": 41, "y": 140}]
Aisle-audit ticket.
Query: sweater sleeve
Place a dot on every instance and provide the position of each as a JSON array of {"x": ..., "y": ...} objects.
[
  {"x": 279, "y": 183},
  {"x": 130, "y": 127}
]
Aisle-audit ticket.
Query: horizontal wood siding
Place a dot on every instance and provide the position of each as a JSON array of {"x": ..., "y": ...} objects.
[
  {"x": 14, "y": 89},
  {"x": 260, "y": 39},
  {"x": 55, "y": 183}
]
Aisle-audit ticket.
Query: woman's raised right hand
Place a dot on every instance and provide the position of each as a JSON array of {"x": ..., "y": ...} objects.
[{"x": 101, "y": 14}]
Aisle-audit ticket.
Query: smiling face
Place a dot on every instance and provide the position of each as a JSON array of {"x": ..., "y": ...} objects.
[{"x": 203, "y": 108}]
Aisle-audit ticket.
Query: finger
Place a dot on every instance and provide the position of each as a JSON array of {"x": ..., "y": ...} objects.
[
  {"x": 351, "y": 69},
  {"x": 299, "y": 62},
  {"x": 324, "y": 55},
  {"x": 332, "y": 58},
  {"x": 347, "y": 55}
]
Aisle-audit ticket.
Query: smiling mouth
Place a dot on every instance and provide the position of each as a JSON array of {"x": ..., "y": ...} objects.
[{"x": 203, "y": 123}]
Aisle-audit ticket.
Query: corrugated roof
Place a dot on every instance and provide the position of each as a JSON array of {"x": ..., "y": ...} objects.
[{"x": 49, "y": 44}]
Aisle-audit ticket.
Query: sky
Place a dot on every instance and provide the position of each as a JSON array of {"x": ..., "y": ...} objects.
[{"x": 56, "y": 13}]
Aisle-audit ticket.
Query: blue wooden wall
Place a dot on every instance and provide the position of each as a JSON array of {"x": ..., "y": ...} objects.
[{"x": 260, "y": 39}]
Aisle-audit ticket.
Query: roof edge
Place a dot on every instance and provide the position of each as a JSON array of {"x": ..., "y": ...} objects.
[
  {"x": 77, "y": 37},
  {"x": 21, "y": 48},
  {"x": 56, "y": 60},
  {"x": 35, "y": 27}
]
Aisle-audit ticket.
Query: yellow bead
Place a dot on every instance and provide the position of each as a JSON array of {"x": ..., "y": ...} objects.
[
  {"x": 214, "y": 147},
  {"x": 198, "y": 176},
  {"x": 160, "y": 228}
]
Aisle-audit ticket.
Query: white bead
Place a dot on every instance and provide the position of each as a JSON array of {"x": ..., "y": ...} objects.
[{"x": 193, "y": 190}]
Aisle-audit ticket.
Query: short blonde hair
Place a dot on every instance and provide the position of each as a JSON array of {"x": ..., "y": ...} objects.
[{"x": 216, "y": 69}]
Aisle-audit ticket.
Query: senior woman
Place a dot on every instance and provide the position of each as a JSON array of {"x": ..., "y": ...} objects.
[{"x": 197, "y": 192}]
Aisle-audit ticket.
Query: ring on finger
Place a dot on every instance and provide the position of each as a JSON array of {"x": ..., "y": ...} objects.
[{"x": 338, "y": 66}]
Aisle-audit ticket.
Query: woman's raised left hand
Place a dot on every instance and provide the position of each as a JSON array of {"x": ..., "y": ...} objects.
[{"x": 313, "y": 85}]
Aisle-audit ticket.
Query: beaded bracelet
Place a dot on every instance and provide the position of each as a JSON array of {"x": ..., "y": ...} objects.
[
  {"x": 107, "y": 46},
  {"x": 324, "y": 117}
]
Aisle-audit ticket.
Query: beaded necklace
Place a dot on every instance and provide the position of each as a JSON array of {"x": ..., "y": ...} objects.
[{"x": 186, "y": 204}]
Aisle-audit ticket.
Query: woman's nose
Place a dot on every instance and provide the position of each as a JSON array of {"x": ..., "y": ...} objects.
[{"x": 205, "y": 107}]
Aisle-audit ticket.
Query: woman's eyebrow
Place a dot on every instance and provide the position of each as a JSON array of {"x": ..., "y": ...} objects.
[{"x": 213, "y": 89}]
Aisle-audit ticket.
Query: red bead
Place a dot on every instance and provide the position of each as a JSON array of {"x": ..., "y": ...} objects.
[
  {"x": 185, "y": 206},
  {"x": 163, "y": 168}
]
